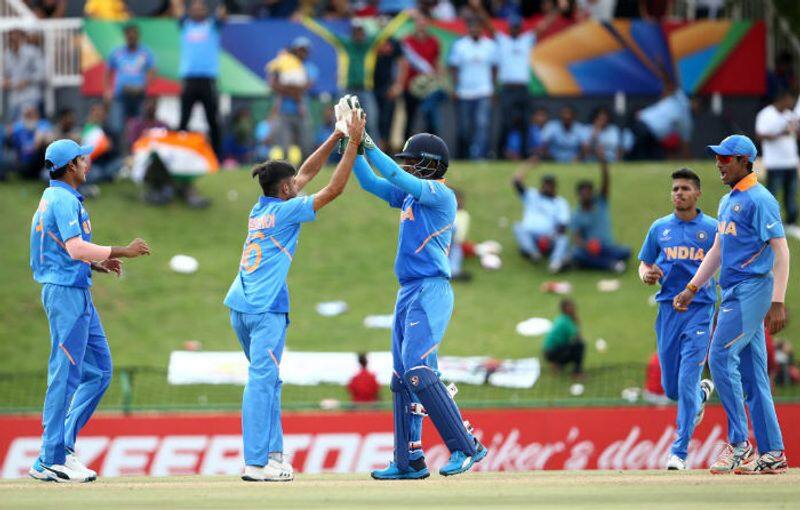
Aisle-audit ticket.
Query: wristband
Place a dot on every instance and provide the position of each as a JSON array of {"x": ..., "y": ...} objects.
[{"x": 692, "y": 287}]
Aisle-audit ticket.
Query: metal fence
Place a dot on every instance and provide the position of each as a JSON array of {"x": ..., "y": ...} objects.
[{"x": 146, "y": 389}]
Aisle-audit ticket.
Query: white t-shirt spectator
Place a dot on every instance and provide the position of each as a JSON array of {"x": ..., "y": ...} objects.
[
  {"x": 780, "y": 152},
  {"x": 601, "y": 10},
  {"x": 543, "y": 214},
  {"x": 474, "y": 61},
  {"x": 514, "y": 57}
]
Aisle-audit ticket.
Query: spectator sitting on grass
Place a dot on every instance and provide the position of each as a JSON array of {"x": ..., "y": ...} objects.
[
  {"x": 363, "y": 387},
  {"x": 460, "y": 232},
  {"x": 238, "y": 143},
  {"x": 106, "y": 157},
  {"x": 563, "y": 345},
  {"x": 562, "y": 138},
  {"x": 66, "y": 126},
  {"x": 543, "y": 229},
  {"x": 591, "y": 228},
  {"x": 137, "y": 126}
]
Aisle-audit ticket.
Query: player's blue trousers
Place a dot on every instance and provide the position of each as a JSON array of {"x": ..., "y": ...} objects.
[
  {"x": 79, "y": 370},
  {"x": 262, "y": 337},
  {"x": 738, "y": 360},
  {"x": 683, "y": 340},
  {"x": 421, "y": 315}
]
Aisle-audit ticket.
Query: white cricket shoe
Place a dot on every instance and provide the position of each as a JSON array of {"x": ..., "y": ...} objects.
[
  {"x": 272, "y": 472},
  {"x": 675, "y": 463},
  {"x": 57, "y": 473},
  {"x": 73, "y": 463},
  {"x": 707, "y": 387}
]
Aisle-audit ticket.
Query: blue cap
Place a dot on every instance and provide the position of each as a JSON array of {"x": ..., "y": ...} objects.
[
  {"x": 301, "y": 42},
  {"x": 61, "y": 152},
  {"x": 735, "y": 145}
]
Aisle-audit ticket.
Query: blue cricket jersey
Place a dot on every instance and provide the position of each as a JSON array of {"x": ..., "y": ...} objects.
[
  {"x": 200, "y": 47},
  {"x": 749, "y": 216},
  {"x": 131, "y": 67},
  {"x": 678, "y": 247},
  {"x": 426, "y": 231},
  {"x": 272, "y": 231},
  {"x": 59, "y": 217}
]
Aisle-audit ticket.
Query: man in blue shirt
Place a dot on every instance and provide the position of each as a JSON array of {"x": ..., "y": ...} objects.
[
  {"x": 751, "y": 252},
  {"x": 259, "y": 298},
  {"x": 132, "y": 68},
  {"x": 199, "y": 66},
  {"x": 671, "y": 253},
  {"x": 62, "y": 259},
  {"x": 591, "y": 227},
  {"x": 29, "y": 138},
  {"x": 424, "y": 301}
]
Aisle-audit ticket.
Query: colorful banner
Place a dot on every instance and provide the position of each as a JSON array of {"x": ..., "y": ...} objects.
[
  {"x": 585, "y": 58},
  {"x": 357, "y": 442}
]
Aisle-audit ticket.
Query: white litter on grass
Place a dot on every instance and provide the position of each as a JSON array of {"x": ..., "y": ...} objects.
[
  {"x": 183, "y": 264},
  {"x": 378, "y": 321},
  {"x": 331, "y": 308},
  {"x": 561, "y": 288},
  {"x": 608, "y": 285},
  {"x": 488, "y": 247},
  {"x": 576, "y": 390},
  {"x": 233, "y": 195},
  {"x": 631, "y": 394},
  {"x": 534, "y": 326},
  {"x": 329, "y": 404},
  {"x": 502, "y": 222},
  {"x": 652, "y": 300},
  {"x": 601, "y": 345},
  {"x": 491, "y": 261}
]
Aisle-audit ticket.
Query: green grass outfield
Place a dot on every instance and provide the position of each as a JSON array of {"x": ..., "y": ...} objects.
[
  {"x": 550, "y": 489},
  {"x": 346, "y": 254}
]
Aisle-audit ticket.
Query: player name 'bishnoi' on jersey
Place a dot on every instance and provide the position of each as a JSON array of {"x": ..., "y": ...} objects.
[{"x": 272, "y": 231}]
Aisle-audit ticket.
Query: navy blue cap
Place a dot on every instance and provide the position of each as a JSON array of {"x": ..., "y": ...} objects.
[
  {"x": 735, "y": 145},
  {"x": 426, "y": 145},
  {"x": 61, "y": 152}
]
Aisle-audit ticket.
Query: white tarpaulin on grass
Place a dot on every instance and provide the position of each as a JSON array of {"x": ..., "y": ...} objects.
[{"x": 311, "y": 368}]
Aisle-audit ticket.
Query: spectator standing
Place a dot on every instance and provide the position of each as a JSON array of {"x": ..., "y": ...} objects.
[
  {"x": 291, "y": 75},
  {"x": 357, "y": 77},
  {"x": 562, "y": 138},
  {"x": 563, "y": 345},
  {"x": 543, "y": 229},
  {"x": 23, "y": 74},
  {"x": 783, "y": 76},
  {"x": 473, "y": 68},
  {"x": 420, "y": 74},
  {"x": 30, "y": 136},
  {"x": 776, "y": 128},
  {"x": 45, "y": 9},
  {"x": 460, "y": 233},
  {"x": 363, "y": 387},
  {"x": 513, "y": 72},
  {"x": 670, "y": 116},
  {"x": 199, "y": 65},
  {"x": 591, "y": 228},
  {"x": 131, "y": 68},
  {"x": 387, "y": 87},
  {"x": 599, "y": 10}
]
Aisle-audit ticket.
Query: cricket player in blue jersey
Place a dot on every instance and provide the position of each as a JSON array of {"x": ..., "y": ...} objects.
[
  {"x": 671, "y": 253},
  {"x": 62, "y": 259},
  {"x": 259, "y": 297},
  {"x": 751, "y": 252},
  {"x": 424, "y": 301}
]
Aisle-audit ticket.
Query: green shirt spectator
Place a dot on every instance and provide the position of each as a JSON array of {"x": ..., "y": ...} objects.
[{"x": 563, "y": 333}]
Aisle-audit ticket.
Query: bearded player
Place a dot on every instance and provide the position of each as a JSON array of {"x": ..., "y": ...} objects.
[
  {"x": 424, "y": 301},
  {"x": 259, "y": 298},
  {"x": 671, "y": 253},
  {"x": 751, "y": 252}
]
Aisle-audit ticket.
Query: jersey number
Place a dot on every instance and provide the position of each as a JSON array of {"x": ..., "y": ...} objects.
[{"x": 252, "y": 249}]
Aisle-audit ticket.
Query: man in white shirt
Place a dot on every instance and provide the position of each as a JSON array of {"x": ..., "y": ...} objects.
[
  {"x": 23, "y": 74},
  {"x": 514, "y": 73},
  {"x": 543, "y": 229},
  {"x": 473, "y": 68},
  {"x": 776, "y": 128}
]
